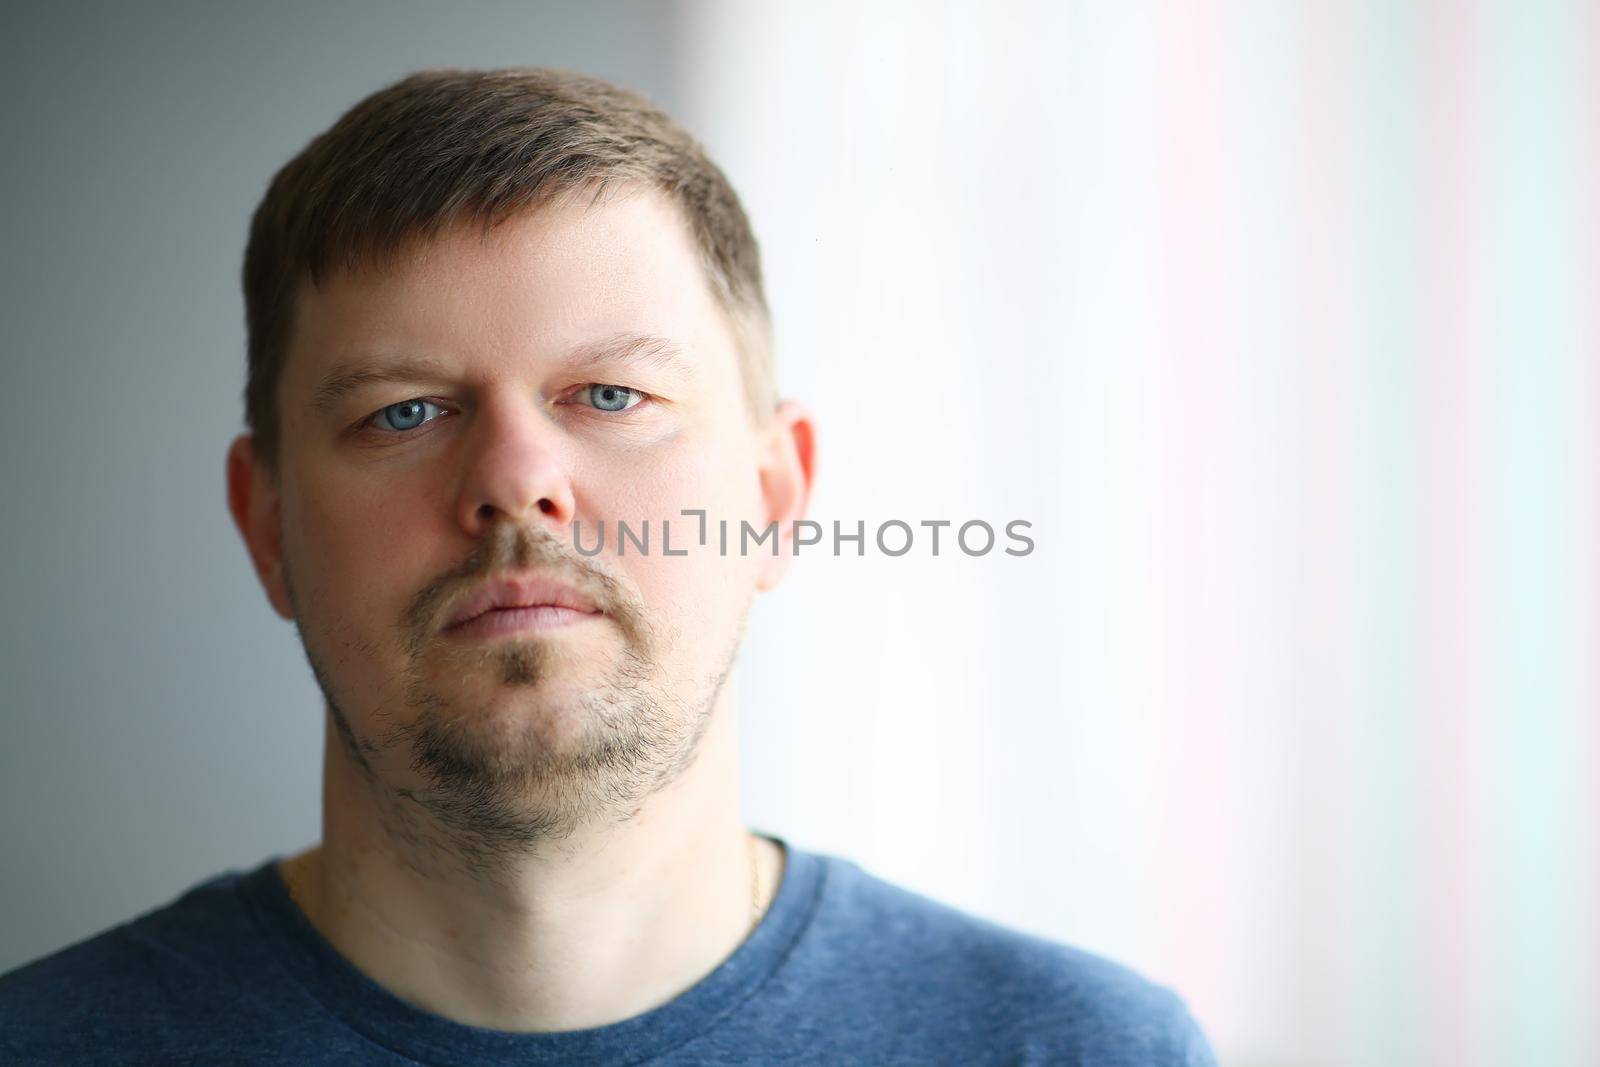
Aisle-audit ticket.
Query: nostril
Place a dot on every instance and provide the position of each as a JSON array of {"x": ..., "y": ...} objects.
[
  {"x": 486, "y": 511},
  {"x": 546, "y": 506}
]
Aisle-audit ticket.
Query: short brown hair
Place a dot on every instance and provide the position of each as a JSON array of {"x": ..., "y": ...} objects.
[{"x": 446, "y": 147}]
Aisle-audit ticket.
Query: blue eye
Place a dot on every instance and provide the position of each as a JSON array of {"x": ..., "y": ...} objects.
[
  {"x": 406, "y": 415},
  {"x": 611, "y": 397}
]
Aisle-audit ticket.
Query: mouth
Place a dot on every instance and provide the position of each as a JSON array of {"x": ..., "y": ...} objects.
[
  {"x": 521, "y": 605},
  {"x": 497, "y": 622}
]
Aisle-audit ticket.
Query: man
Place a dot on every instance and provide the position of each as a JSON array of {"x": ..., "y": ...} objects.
[{"x": 491, "y": 317}]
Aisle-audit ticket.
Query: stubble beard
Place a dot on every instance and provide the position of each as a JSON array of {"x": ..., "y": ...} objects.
[{"x": 497, "y": 787}]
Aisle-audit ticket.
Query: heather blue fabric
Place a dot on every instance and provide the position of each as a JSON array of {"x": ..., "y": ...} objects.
[{"x": 844, "y": 969}]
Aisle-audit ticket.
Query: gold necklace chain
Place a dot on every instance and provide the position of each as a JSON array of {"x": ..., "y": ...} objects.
[{"x": 755, "y": 884}]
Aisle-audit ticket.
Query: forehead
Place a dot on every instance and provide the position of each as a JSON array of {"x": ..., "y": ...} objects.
[{"x": 563, "y": 275}]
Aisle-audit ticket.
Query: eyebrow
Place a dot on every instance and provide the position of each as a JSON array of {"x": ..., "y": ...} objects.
[
  {"x": 346, "y": 379},
  {"x": 629, "y": 350},
  {"x": 622, "y": 350}
]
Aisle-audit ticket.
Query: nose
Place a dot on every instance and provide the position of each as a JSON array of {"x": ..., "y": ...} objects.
[{"x": 515, "y": 471}]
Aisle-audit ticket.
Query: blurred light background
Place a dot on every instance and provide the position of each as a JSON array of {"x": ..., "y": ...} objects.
[{"x": 1277, "y": 321}]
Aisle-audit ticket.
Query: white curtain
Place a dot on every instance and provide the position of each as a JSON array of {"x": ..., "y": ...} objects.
[{"x": 1277, "y": 324}]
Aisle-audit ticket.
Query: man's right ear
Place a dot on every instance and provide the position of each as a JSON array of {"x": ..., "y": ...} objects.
[{"x": 253, "y": 499}]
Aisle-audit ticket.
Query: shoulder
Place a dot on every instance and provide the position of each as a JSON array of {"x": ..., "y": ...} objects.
[
  {"x": 118, "y": 989},
  {"x": 1046, "y": 1001}
]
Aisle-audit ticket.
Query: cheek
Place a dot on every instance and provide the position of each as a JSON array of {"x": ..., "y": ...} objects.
[
  {"x": 356, "y": 529},
  {"x": 690, "y": 472},
  {"x": 696, "y": 593},
  {"x": 351, "y": 551}
]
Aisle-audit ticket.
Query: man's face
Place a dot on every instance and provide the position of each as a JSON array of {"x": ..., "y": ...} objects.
[{"x": 400, "y": 500}]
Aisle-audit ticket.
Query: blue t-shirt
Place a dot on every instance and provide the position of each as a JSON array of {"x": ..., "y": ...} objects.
[{"x": 844, "y": 968}]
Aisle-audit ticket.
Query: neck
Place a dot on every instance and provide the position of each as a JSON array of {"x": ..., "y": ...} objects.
[{"x": 618, "y": 920}]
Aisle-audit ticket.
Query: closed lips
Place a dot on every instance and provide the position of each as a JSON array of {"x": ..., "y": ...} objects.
[{"x": 520, "y": 593}]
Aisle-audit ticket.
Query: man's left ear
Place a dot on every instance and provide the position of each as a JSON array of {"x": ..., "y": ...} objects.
[{"x": 788, "y": 468}]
